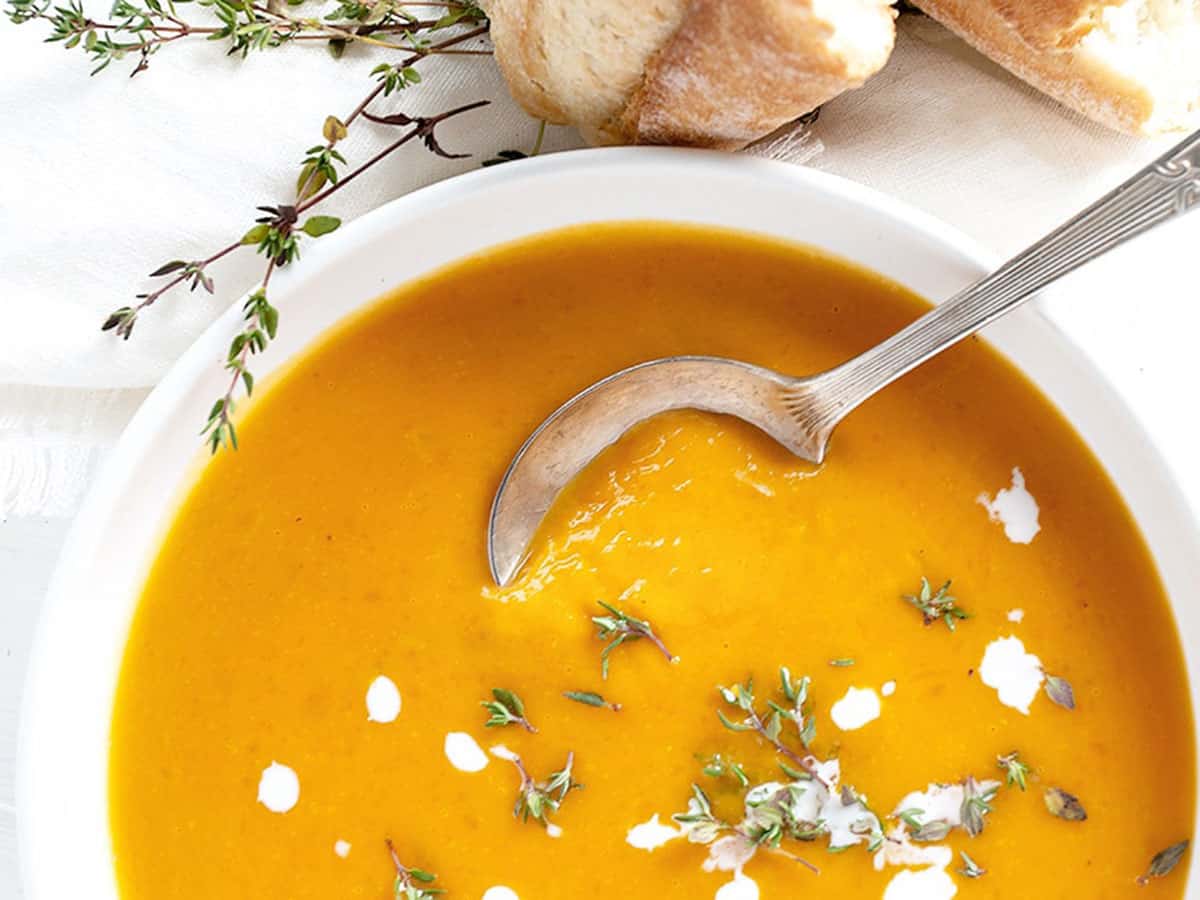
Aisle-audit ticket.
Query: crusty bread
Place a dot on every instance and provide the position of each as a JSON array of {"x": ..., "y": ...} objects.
[
  {"x": 707, "y": 73},
  {"x": 1133, "y": 65}
]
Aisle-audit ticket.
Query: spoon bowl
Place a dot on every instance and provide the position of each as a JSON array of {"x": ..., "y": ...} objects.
[{"x": 581, "y": 428}]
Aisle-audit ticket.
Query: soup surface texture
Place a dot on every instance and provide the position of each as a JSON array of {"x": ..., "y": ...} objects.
[{"x": 304, "y": 676}]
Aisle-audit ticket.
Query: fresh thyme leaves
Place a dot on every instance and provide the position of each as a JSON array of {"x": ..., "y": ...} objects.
[
  {"x": 395, "y": 77},
  {"x": 1060, "y": 691},
  {"x": 1064, "y": 805},
  {"x": 703, "y": 826},
  {"x": 538, "y": 800},
  {"x": 590, "y": 698},
  {"x": 717, "y": 766},
  {"x": 1016, "y": 772},
  {"x": 938, "y": 604},
  {"x": 261, "y": 320},
  {"x": 977, "y": 799},
  {"x": 924, "y": 832},
  {"x": 411, "y": 884},
  {"x": 618, "y": 628},
  {"x": 320, "y": 162},
  {"x": 842, "y": 662},
  {"x": 813, "y": 805},
  {"x": 506, "y": 708},
  {"x": 770, "y": 726},
  {"x": 140, "y": 28},
  {"x": 931, "y": 815},
  {"x": 970, "y": 868},
  {"x": 1164, "y": 862},
  {"x": 769, "y": 819}
]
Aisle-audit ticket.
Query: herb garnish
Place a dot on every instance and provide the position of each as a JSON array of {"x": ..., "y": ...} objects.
[
  {"x": 937, "y": 605},
  {"x": 1064, "y": 805},
  {"x": 138, "y": 30},
  {"x": 970, "y": 868},
  {"x": 1164, "y": 862},
  {"x": 537, "y": 800},
  {"x": 1015, "y": 771},
  {"x": 973, "y": 809},
  {"x": 977, "y": 801},
  {"x": 591, "y": 698},
  {"x": 618, "y": 628},
  {"x": 276, "y": 234},
  {"x": 842, "y": 662},
  {"x": 717, "y": 765},
  {"x": 926, "y": 832},
  {"x": 770, "y": 728},
  {"x": 767, "y": 822},
  {"x": 506, "y": 709},
  {"x": 409, "y": 882},
  {"x": 1060, "y": 691}
]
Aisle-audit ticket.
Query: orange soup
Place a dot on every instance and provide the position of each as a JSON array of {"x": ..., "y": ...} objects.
[{"x": 325, "y": 696}]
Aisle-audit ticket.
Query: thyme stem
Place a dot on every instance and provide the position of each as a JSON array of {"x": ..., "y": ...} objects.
[{"x": 421, "y": 130}]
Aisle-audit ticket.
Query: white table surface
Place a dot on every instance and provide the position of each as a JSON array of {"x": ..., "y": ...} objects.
[{"x": 1135, "y": 313}]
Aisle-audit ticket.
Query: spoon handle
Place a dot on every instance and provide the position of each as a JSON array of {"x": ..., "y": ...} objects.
[{"x": 1168, "y": 187}]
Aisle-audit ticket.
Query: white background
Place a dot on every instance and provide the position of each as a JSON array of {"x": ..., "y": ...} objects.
[{"x": 104, "y": 179}]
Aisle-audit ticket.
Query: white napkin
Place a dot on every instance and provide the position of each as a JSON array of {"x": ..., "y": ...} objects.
[{"x": 107, "y": 177}]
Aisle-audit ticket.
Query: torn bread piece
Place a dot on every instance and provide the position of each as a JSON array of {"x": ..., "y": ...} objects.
[
  {"x": 698, "y": 72},
  {"x": 1133, "y": 65}
]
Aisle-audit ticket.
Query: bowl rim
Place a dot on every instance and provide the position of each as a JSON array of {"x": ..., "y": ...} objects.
[{"x": 35, "y": 774}]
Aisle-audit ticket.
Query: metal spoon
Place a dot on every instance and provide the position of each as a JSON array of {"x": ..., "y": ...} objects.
[{"x": 801, "y": 413}]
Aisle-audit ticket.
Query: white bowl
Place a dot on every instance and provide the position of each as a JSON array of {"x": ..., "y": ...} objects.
[{"x": 63, "y": 755}]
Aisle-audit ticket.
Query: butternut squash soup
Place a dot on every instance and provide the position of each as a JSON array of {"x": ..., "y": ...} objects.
[{"x": 940, "y": 665}]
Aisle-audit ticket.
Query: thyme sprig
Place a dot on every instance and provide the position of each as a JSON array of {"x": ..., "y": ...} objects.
[
  {"x": 538, "y": 800},
  {"x": 411, "y": 884},
  {"x": 768, "y": 821},
  {"x": 974, "y": 808},
  {"x": 1016, "y": 772},
  {"x": 280, "y": 243},
  {"x": 506, "y": 708},
  {"x": 620, "y": 628},
  {"x": 769, "y": 725},
  {"x": 977, "y": 804},
  {"x": 277, "y": 234},
  {"x": 138, "y": 29},
  {"x": 934, "y": 605},
  {"x": 970, "y": 868}
]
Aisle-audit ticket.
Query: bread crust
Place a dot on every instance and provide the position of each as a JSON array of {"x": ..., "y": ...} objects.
[
  {"x": 1038, "y": 40},
  {"x": 713, "y": 73},
  {"x": 733, "y": 72},
  {"x": 1049, "y": 24}
]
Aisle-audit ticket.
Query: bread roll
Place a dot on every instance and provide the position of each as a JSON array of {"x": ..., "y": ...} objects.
[
  {"x": 711, "y": 73},
  {"x": 1133, "y": 65}
]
